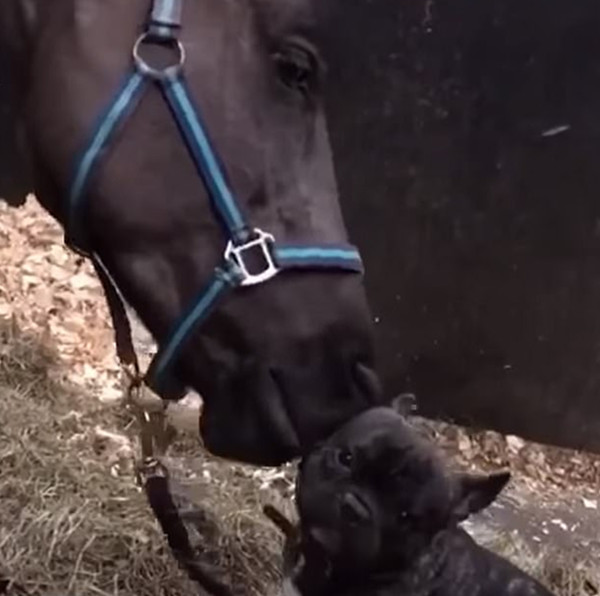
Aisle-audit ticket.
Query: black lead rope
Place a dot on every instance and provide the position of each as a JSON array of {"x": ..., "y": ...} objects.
[{"x": 159, "y": 496}]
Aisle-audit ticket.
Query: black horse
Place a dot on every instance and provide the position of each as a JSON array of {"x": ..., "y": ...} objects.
[{"x": 236, "y": 262}]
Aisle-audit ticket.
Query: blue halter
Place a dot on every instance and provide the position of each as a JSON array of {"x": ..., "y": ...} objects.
[{"x": 163, "y": 27}]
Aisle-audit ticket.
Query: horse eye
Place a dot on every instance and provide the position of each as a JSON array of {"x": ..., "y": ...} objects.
[
  {"x": 296, "y": 68},
  {"x": 345, "y": 458}
]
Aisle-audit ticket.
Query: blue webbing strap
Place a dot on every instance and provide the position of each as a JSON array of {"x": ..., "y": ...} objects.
[
  {"x": 124, "y": 102},
  {"x": 222, "y": 282},
  {"x": 330, "y": 257},
  {"x": 165, "y": 21},
  {"x": 189, "y": 119},
  {"x": 287, "y": 257},
  {"x": 207, "y": 163}
]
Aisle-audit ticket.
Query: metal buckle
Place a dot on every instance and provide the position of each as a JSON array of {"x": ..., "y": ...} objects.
[{"x": 235, "y": 254}]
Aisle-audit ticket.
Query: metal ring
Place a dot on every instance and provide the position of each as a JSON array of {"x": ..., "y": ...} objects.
[{"x": 144, "y": 68}]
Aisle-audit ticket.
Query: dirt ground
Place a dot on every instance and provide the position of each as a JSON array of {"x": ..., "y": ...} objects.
[{"x": 74, "y": 522}]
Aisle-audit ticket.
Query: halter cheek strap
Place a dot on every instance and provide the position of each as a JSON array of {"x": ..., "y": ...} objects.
[{"x": 234, "y": 271}]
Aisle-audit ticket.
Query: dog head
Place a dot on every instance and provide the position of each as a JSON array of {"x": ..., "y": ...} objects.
[{"x": 376, "y": 494}]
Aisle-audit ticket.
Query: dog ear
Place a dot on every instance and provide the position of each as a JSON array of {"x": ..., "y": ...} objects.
[
  {"x": 404, "y": 404},
  {"x": 475, "y": 493}
]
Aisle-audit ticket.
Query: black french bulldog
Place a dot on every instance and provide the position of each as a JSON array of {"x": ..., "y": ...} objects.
[{"x": 379, "y": 516}]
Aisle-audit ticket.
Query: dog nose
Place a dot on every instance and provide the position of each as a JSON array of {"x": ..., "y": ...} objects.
[{"x": 353, "y": 509}]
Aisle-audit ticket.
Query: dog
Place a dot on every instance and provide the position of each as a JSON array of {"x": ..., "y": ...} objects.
[{"x": 379, "y": 516}]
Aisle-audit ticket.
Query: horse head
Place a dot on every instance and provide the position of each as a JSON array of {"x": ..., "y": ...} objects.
[{"x": 279, "y": 364}]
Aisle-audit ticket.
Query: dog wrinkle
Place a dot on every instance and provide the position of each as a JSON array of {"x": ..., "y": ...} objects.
[{"x": 423, "y": 553}]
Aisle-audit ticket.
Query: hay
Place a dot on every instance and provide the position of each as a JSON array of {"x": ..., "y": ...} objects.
[
  {"x": 73, "y": 522},
  {"x": 564, "y": 573},
  {"x": 61, "y": 418}
]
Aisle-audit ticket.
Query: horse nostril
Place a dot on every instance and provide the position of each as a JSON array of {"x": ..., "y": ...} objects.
[{"x": 353, "y": 509}]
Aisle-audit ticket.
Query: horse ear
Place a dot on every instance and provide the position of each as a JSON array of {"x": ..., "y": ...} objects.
[
  {"x": 16, "y": 20},
  {"x": 475, "y": 493}
]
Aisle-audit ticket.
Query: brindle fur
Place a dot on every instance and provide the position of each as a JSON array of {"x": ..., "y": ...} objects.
[{"x": 379, "y": 516}]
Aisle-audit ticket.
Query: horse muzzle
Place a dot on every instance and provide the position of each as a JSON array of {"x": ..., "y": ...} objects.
[
  {"x": 246, "y": 420},
  {"x": 270, "y": 415}
]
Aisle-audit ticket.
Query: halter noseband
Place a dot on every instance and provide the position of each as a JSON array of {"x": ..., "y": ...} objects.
[{"x": 234, "y": 271}]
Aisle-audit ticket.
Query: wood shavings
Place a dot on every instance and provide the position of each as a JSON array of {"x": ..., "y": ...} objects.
[
  {"x": 54, "y": 294},
  {"x": 590, "y": 503}
]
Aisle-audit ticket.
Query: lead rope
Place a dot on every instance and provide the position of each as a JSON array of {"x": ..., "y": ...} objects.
[
  {"x": 149, "y": 422},
  {"x": 233, "y": 273},
  {"x": 151, "y": 474}
]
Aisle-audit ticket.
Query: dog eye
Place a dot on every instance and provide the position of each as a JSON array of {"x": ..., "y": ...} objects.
[
  {"x": 297, "y": 67},
  {"x": 345, "y": 458}
]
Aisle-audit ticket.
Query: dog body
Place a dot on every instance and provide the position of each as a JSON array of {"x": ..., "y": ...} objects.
[{"x": 380, "y": 514}]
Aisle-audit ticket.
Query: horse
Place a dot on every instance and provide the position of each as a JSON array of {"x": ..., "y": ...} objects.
[{"x": 184, "y": 149}]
